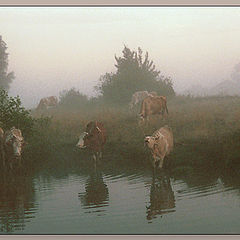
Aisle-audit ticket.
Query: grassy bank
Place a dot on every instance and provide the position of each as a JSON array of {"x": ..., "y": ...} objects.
[{"x": 206, "y": 133}]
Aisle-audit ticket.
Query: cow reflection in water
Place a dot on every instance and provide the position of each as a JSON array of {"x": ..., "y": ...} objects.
[
  {"x": 96, "y": 193},
  {"x": 17, "y": 201},
  {"x": 162, "y": 199}
]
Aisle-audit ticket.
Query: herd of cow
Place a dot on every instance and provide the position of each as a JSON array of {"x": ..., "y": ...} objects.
[
  {"x": 94, "y": 137},
  {"x": 160, "y": 143}
]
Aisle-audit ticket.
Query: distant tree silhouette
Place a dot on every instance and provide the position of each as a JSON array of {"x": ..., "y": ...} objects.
[
  {"x": 72, "y": 99},
  {"x": 5, "y": 77},
  {"x": 134, "y": 73}
]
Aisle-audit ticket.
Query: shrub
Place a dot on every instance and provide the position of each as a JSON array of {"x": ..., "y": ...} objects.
[
  {"x": 13, "y": 114},
  {"x": 71, "y": 99}
]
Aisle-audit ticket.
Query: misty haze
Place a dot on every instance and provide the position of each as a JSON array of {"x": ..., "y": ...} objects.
[{"x": 119, "y": 120}]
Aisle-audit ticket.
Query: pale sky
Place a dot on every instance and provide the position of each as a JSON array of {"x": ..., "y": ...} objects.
[{"x": 56, "y": 48}]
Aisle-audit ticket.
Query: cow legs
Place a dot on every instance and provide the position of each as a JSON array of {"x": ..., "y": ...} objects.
[
  {"x": 148, "y": 120},
  {"x": 11, "y": 164},
  {"x": 19, "y": 161},
  {"x": 153, "y": 163},
  {"x": 96, "y": 157},
  {"x": 159, "y": 160},
  {"x": 160, "y": 165},
  {"x": 3, "y": 158},
  {"x": 154, "y": 160},
  {"x": 95, "y": 161}
]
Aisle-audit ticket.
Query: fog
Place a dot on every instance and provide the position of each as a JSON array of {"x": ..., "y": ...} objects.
[{"x": 56, "y": 48}]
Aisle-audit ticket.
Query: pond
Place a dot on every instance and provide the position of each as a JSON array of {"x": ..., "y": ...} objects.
[{"x": 118, "y": 199}]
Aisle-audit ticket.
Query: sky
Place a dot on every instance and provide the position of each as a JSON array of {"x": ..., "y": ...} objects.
[{"x": 52, "y": 49}]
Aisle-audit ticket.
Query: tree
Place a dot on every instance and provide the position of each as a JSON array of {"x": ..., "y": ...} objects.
[
  {"x": 13, "y": 114},
  {"x": 72, "y": 99},
  {"x": 5, "y": 78},
  {"x": 134, "y": 73}
]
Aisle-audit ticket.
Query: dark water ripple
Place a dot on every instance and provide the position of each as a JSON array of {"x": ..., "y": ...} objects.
[{"x": 204, "y": 190}]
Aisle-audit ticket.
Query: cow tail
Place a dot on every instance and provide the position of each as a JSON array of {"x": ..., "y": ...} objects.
[
  {"x": 142, "y": 106},
  {"x": 166, "y": 107}
]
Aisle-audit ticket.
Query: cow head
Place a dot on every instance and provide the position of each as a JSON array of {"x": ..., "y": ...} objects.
[
  {"x": 92, "y": 128},
  {"x": 85, "y": 138},
  {"x": 81, "y": 140},
  {"x": 150, "y": 141},
  {"x": 15, "y": 141}
]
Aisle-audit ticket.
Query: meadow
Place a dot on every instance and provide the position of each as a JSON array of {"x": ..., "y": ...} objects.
[{"x": 206, "y": 134}]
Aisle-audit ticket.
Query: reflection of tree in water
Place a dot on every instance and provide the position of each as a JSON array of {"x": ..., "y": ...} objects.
[
  {"x": 96, "y": 192},
  {"x": 16, "y": 201},
  {"x": 162, "y": 199}
]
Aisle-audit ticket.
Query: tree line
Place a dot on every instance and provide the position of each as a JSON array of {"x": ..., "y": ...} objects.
[{"x": 135, "y": 71}]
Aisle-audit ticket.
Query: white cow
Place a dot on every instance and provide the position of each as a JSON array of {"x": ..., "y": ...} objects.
[
  {"x": 137, "y": 97},
  {"x": 47, "y": 102}
]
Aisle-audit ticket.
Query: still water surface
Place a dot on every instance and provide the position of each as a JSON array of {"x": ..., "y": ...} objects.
[{"x": 116, "y": 200}]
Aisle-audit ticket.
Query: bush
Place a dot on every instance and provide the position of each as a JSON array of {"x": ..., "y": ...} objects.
[
  {"x": 13, "y": 114},
  {"x": 71, "y": 99}
]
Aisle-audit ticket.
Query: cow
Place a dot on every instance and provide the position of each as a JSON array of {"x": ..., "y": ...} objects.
[
  {"x": 160, "y": 144},
  {"x": 153, "y": 93},
  {"x": 13, "y": 143},
  {"x": 94, "y": 139},
  {"x": 47, "y": 102},
  {"x": 152, "y": 105},
  {"x": 137, "y": 97}
]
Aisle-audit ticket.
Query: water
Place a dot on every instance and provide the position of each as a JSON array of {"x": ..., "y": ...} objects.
[{"x": 118, "y": 200}]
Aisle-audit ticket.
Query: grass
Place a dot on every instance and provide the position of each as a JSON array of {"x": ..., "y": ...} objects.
[{"x": 206, "y": 133}]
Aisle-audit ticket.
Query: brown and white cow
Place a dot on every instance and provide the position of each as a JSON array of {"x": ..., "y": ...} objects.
[
  {"x": 47, "y": 102},
  {"x": 94, "y": 139},
  {"x": 160, "y": 144},
  {"x": 13, "y": 142},
  {"x": 152, "y": 105},
  {"x": 137, "y": 97}
]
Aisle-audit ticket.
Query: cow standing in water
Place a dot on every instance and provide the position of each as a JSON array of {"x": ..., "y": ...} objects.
[
  {"x": 47, "y": 102},
  {"x": 94, "y": 138},
  {"x": 11, "y": 146},
  {"x": 160, "y": 144}
]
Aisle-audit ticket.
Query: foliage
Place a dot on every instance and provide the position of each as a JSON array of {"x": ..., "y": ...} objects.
[
  {"x": 72, "y": 99},
  {"x": 134, "y": 73},
  {"x": 5, "y": 78},
  {"x": 13, "y": 114}
]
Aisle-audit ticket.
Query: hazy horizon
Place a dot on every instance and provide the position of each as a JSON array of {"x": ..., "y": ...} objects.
[{"x": 56, "y": 48}]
